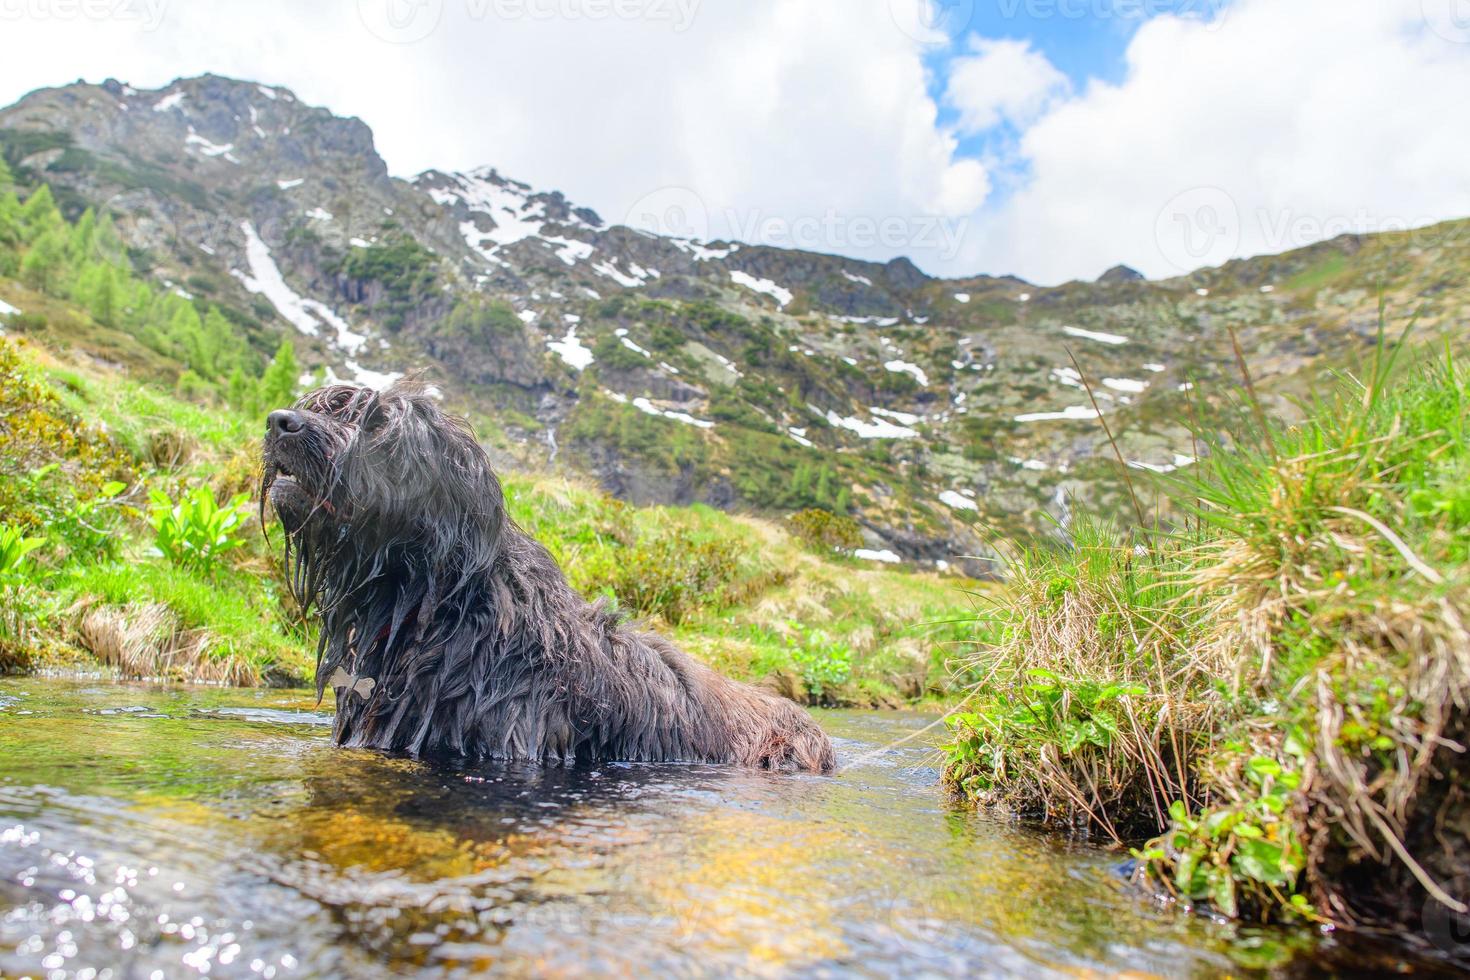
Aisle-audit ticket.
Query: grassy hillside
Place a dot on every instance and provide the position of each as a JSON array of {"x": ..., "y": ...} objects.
[
  {"x": 1278, "y": 686},
  {"x": 129, "y": 421},
  {"x": 128, "y": 536}
]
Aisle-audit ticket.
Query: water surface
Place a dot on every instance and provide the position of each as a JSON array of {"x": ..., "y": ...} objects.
[{"x": 153, "y": 831}]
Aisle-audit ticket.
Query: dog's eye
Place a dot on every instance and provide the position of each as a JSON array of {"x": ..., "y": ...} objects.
[{"x": 374, "y": 414}]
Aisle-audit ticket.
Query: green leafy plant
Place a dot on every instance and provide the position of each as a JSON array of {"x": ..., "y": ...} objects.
[
  {"x": 1069, "y": 716},
  {"x": 196, "y": 531},
  {"x": 825, "y": 663},
  {"x": 1242, "y": 856},
  {"x": 15, "y": 545},
  {"x": 18, "y": 601},
  {"x": 88, "y": 527}
]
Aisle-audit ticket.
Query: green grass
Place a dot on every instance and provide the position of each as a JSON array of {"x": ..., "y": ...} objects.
[
  {"x": 1092, "y": 695},
  {"x": 142, "y": 417},
  {"x": 248, "y": 639},
  {"x": 1319, "y": 274},
  {"x": 751, "y": 599},
  {"x": 742, "y": 593},
  {"x": 1272, "y": 683}
]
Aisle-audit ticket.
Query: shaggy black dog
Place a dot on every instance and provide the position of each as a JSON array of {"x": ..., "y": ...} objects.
[{"x": 446, "y": 629}]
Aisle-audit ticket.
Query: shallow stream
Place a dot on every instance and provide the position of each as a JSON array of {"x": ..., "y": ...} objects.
[{"x": 165, "y": 831}]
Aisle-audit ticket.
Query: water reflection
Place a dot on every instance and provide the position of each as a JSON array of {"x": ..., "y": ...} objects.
[{"x": 156, "y": 829}]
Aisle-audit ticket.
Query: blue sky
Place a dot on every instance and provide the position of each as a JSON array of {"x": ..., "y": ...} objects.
[
  {"x": 1083, "y": 47},
  {"x": 1086, "y": 40}
]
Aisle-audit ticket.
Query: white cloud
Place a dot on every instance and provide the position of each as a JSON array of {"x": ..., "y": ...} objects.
[
  {"x": 1282, "y": 124},
  {"x": 813, "y": 122},
  {"x": 809, "y": 119},
  {"x": 1001, "y": 81}
]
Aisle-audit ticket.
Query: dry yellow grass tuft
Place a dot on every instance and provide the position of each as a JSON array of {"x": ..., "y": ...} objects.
[{"x": 145, "y": 641}]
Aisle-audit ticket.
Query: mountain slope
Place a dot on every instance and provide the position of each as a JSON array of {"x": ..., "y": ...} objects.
[{"x": 675, "y": 370}]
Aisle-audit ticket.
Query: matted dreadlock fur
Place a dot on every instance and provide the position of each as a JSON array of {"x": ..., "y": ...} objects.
[{"x": 445, "y": 629}]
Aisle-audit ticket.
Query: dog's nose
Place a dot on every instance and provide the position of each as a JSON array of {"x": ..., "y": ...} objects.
[{"x": 283, "y": 422}]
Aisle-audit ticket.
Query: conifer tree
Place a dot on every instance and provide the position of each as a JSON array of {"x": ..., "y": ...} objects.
[
  {"x": 278, "y": 384},
  {"x": 44, "y": 265},
  {"x": 40, "y": 216}
]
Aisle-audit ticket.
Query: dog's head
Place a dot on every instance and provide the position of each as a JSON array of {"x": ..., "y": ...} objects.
[{"x": 378, "y": 479}]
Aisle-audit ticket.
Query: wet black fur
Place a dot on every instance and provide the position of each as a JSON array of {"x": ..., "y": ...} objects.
[{"x": 447, "y": 629}]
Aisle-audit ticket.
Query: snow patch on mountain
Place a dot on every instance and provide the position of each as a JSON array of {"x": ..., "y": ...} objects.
[
  {"x": 957, "y": 501},
  {"x": 703, "y": 252},
  {"x": 649, "y": 408},
  {"x": 1180, "y": 461},
  {"x": 611, "y": 271},
  {"x": 904, "y": 367},
  {"x": 903, "y": 418},
  {"x": 208, "y": 148},
  {"x": 377, "y": 380},
  {"x": 1067, "y": 376},
  {"x": 306, "y": 315},
  {"x": 1102, "y": 338},
  {"x": 1077, "y": 412},
  {"x": 570, "y": 349},
  {"x": 570, "y": 250},
  {"x": 622, "y": 334},
  {"x": 876, "y": 321},
  {"x": 766, "y": 287},
  {"x": 881, "y": 429}
]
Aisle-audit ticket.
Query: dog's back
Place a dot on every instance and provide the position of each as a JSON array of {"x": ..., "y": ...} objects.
[{"x": 536, "y": 672}]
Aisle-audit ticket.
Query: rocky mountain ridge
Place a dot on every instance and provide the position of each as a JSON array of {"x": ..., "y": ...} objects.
[{"x": 675, "y": 370}]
